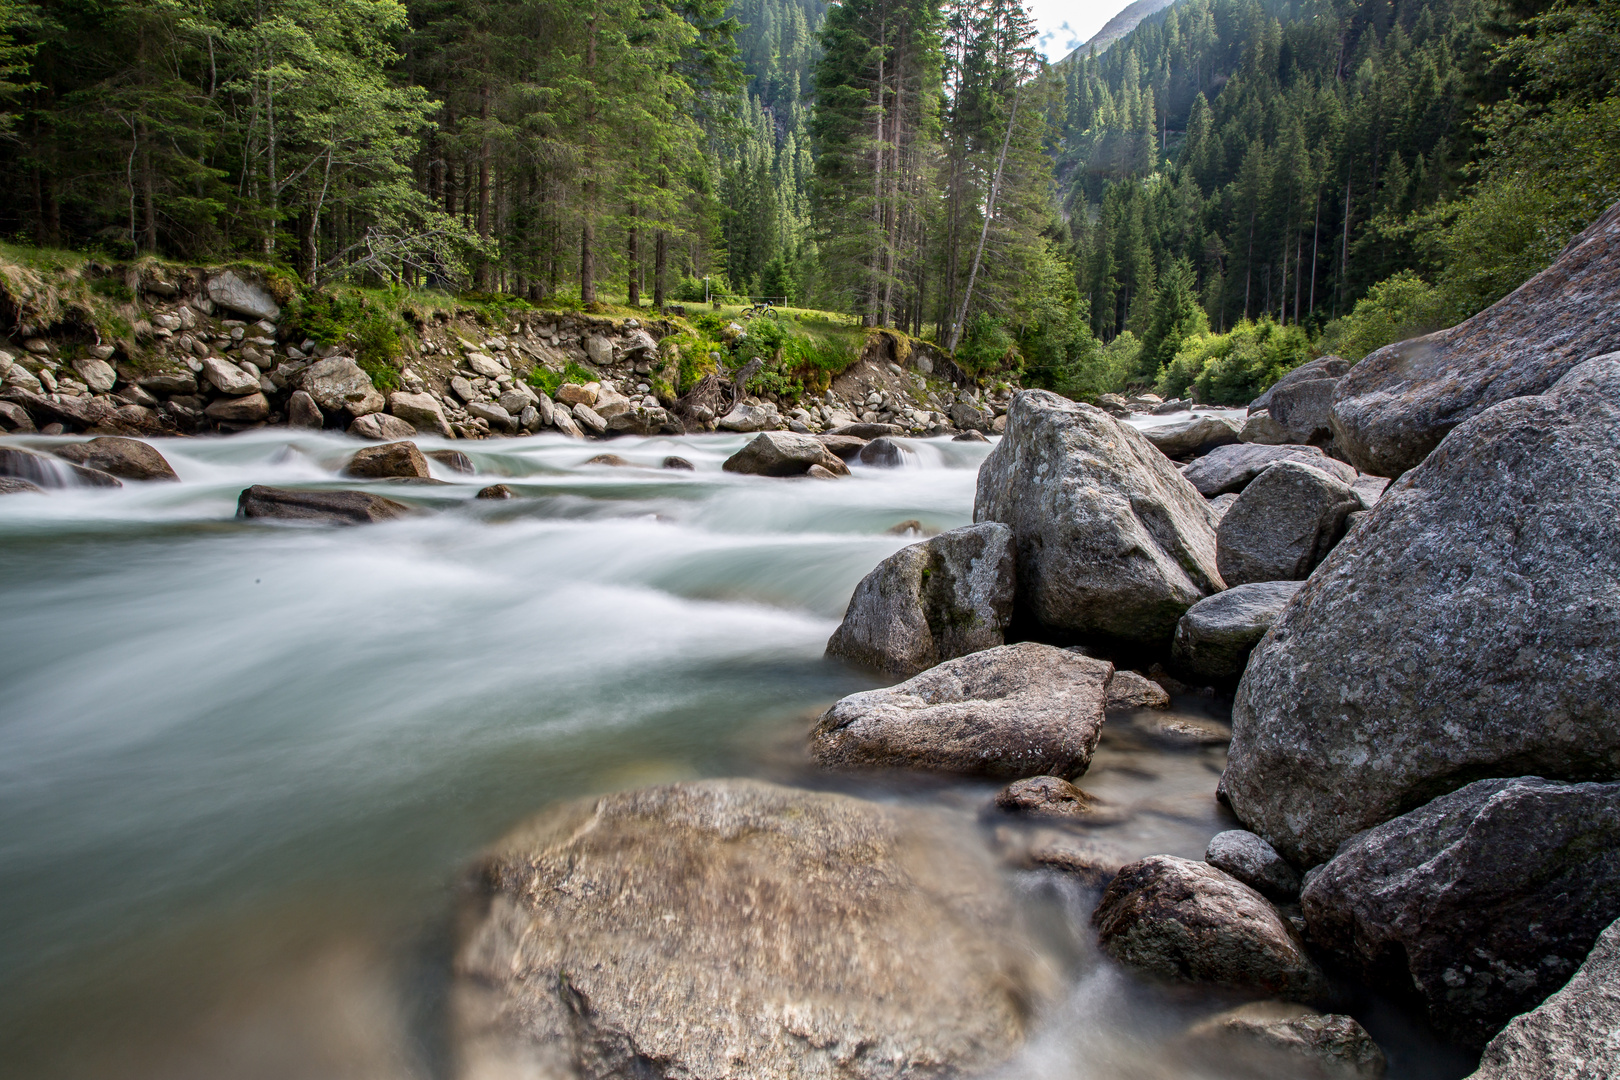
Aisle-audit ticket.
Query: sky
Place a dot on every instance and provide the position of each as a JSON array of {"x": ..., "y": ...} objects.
[{"x": 1067, "y": 24}]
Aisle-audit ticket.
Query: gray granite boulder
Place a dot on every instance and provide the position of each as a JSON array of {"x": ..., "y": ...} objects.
[
  {"x": 1254, "y": 862},
  {"x": 1327, "y": 367},
  {"x": 1396, "y": 405},
  {"x": 1483, "y": 901},
  {"x": 1112, "y": 543},
  {"x": 1232, "y": 468},
  {"x": 937, "y": 600},
  {"x": 1191, "y": 438},
  {"x": 1187, "y": 921},
  {"x": 420, "y": 411},
  {"x": 317, "y": 507},
  {"x": 1012, "y": 711},
  {"x": 1466, "y": 627},
  {"x": 130, "y": 459},
  {"x": 783, "y": 453},
  {"x": 338, "y": 384},
  {"x": 1283, "y": 524},
  {"x": 738, "y": 930},
  {"x": 1261, "y": 429},
  {"x": 380, "y": 427},
  {"x": 1573, "y": 1035},
  {"x": 1302, "y": 410},
  {"x": 235, "y": 293},
  {"x": 1214, "y": 639}
]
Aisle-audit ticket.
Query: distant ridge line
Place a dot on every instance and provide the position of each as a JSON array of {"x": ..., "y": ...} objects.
[{"x": 1117, "y": 27}]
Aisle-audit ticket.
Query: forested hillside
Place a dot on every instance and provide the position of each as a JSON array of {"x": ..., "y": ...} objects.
[{"x": 1228, "y": 189}]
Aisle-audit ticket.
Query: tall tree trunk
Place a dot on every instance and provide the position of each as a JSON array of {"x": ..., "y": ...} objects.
[
  {"x": 989, "y": 212},
  {"x": 660, "y": 261},
  {"x": 587, "y": 232},
  {"x": 148, "y": 195},
  {"x": 1248, "y": 267},
  {"x": 1316, "y": 239},
  {"x": 878, "y": 148},
  {"x": 632, "y": 251},
  {"x": 485, "y": 269},
  {"x": 1344, "y": 251}
]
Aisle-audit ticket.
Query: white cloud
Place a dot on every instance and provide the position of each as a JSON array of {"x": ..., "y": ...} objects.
[{"x": 1064, "y": 25}]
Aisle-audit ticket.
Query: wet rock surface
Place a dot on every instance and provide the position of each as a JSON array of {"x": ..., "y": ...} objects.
[
  {"x": 1112, "y": 543},
  {"x": 391, "y": 459},
  {"x": 1275, "y": 1038},
  {"x": 783, "y": 453},
  {"x": 1044, "y": 796},
  {"x": 318, "y": 507},
  {"x": 1450, "y": 635},
  {"x": 937, "y": 600},
  {"x": 1483, "y": 901},
  {"x": 731, "y": 929},
  {"x": 129, "y": 459},
  {"x": 1395, "y": 406},
  {"x": 1013, "y": 711}
]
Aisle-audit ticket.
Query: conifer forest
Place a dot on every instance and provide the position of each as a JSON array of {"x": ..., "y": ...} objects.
[{"x": 1232, "y": 188}]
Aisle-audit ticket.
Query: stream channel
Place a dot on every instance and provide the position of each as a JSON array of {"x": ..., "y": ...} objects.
[{"x": 243, "y": 765}]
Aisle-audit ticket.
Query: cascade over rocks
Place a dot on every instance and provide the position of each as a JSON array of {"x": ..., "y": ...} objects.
[
  {"x": 1283, "y": 524},
  {"x": 1466, "y": 627},
  {"x": 1214, "y": 639},
  {"x": 1573, "y": 1035},
  {"x": 737, "y": 930},
  {"x": 783, "y": 453},
  {"x": 130, "y": 459},
  {"x": 943, "y": 598},
  {"x": 1483, "y": 901},
  {"x": 325, "y": 507},
  {"x": 1396, "y": 405},
  {"x": 1189, "y": 922},
  {"x": 1112, "y": 543},
  {"x": 1012, "y": 711},
  {"x": 51, "y": 471},
  {"x": 1231, "y": 468}
]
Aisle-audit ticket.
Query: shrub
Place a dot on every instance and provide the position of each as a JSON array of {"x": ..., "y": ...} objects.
[
  {"x": 547, "y": 381},
  {"x": 1395, "y": 309},
  {"x": 1233, "y": 368}
]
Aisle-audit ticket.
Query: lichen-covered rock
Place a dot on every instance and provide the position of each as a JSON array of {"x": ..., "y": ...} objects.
[
  {"x": 784, "y": 453},
  {"x": 1189, "y": 922},
  {"x": 1191, "y": 438},
  {"x": 1465, "y": 628},
  {"x": 1396, "y": 405},
  {"x": 390, "y": 459},
  {"x": 1232, "y": 468},
  {"x": 1283, "y": 524},
  {"x": 1013, "y": 711},
  {"x": 737, "y": 930},
  {"x": 1484, "y": 901},
  {"x": 1254, "y": 862},
  {"x": 1302, "y": 410},
  {"x": 130, "y": 459},
  {"x": 937, "y": 600},
  {"x": 1573, "y": 1035},
  {"x": 1214, "y": 639},
  {"x": 1112, "y": 543},
  {"x": 324, "y": 507}
]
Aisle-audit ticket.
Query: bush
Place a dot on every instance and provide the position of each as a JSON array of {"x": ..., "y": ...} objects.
[
  {"x": 987, "y": 346},
  {"x": 1234, "y": 368},
  {"x": 547, "y": 381},
  {"x": 1397, "y": 308}
]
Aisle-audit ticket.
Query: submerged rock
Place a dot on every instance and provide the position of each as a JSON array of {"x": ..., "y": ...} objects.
[
  {"x": 1044, "y": 796},
  {"x": 1283, "y": 524},
  {"x": 130, "y": 459},
  {"x": 326, "y": 507},
  {"x": 1128, "y": 690},
  {"x": 943, "y": 598},
  {"x": 1215, "y": 637},
  {"x": 1483, "y": 901},
  {"x": 1188, "y": 922},
  {"x": 1112, "y": 543},
  {"x": 784, "y": 453},
  {"x": 1284, "y": 1039},
  {"x": 1573, "y": 1035},
  {"x": 1396, "y": 405},
  {"x": 1013, "y": 711},
  {"x": 11, "y": 485},
  {"x": 1465, "y": 628},
  {"x": 737, "y": 930}
]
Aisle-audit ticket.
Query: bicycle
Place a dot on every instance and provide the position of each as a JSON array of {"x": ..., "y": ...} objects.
[{"x": 762, "y": 308}]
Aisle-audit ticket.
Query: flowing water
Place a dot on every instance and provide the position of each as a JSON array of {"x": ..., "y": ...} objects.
[{"x": 243, "y": 764}]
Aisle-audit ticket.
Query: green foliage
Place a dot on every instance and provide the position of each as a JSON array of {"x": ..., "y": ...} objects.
[
  {"x": 1397, "y": 308},
  {"x": 987, "y": 346},
  {"x": 547, "y": 381},
  {"x": 1233, "y": 368},
  {"x": 112, "y": 289},
  {"x": 348, "y": 318}
]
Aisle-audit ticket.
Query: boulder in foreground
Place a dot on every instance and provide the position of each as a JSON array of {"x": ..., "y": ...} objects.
[
  {"x": 1573, "y": 1035},
  {"x": 1396, "y": 405},
  {"x": 1112, "y": 543},
  {"x": 325, "y": 507},
  {"x": 1188, "y": 922},
  {"x": 731, "y": 929},
  {"x": 783, "y": 453},
  {"x": 1482, "y": 901},
  {"x": 1013, "y": 711},
  {"x": 937, "y": 600},
  {"x": 1467, "y": 627}
]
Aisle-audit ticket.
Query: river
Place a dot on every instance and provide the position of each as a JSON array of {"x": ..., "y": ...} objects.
[{"x": 243, "y": 764}]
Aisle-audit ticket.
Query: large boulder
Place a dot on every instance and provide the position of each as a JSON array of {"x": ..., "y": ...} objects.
[
  {"x": 130, "y": 459},
  {"x": 1283, "y": 524},
  {"x": 1484, "y": 901},
  {"x": 745, "y": 418},
  {"x": 323, "y": 507},
  {"x": 1398, "y": 403},
  {"x": 1214, "y": 639},
  {"x": 1232, "y": 468},
  {"x": 1465, "y": 628},
  {"x": 421, "y": 411},
  {"x": 943, "y": 598},
  {"x": 783, "y": 453},
  {"x": 1302, "y": 410},
  {"x": 243, "y": 297},
  {"x": 1262, "y": 429},
  {"x": 1186, "y": 921},
  {"x": 1012, "y": 711},
  {"x": 737, "y": 930},
  {"x": 389, "y": 460},
  {"x": 1191, "y": 438},
  {"x": 48, "y": 471},
  {"x": 1112, "y": 543},
  {"x": 1573, "y": 1035},
  {"x": 339, "y": 384},
  {"x": 1327, "y": 367}
]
